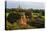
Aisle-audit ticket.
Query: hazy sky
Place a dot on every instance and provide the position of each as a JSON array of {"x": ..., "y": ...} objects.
[{"x": 34, "y": 5}]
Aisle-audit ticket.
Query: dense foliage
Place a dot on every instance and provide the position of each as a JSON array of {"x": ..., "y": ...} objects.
[{"x": 36, "y": 16}]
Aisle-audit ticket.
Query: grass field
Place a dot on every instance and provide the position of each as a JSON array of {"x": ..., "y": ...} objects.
[{"x": 30, "y": 25}]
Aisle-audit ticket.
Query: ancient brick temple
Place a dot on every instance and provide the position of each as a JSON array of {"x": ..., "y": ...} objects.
[{"x": 25, "y": 15}]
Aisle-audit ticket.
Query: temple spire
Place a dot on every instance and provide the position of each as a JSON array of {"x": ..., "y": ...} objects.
[{"x": 19, "y": 6}]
